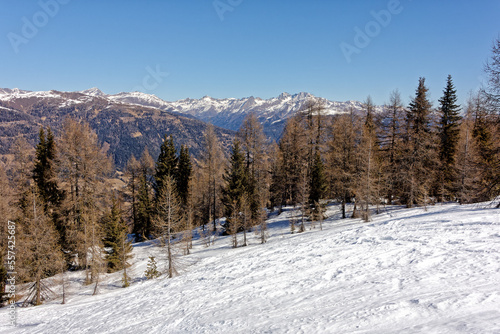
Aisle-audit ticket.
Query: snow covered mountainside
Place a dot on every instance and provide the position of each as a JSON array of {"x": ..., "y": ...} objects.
[
  {"x": 407, "y": 271},
  {"x": 225, "y": 113}
]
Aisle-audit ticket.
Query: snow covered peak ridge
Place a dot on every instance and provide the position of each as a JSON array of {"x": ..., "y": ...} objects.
[{"x": 94, "y": 91}]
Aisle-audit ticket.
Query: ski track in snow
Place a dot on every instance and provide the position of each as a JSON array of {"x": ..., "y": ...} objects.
[{"x": 406, "y": 271}]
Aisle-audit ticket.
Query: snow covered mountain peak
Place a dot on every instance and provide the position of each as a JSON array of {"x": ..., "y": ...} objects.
[{"x": 94, "y": 91}]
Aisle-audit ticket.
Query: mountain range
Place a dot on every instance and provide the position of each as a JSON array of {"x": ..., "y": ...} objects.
[{"x": 128, "y": 122}]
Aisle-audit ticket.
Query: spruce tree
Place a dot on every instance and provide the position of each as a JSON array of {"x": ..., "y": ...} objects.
[
  {"x": 419, "y": 152},
  {"x": 184, "y": 173},
  {"x": 166, "y": 165},
  {"x": 115, "y": 239},
  {"x": 449, "y": 131},
  {"x": 235, "y": 188},
  {"x": 44, "y": 171},
  {"x": 317, "y": 189},
  {"x": 143, "y": 226}
]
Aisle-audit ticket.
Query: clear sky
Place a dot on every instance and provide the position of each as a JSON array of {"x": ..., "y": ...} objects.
[{"x": 338, "y": 50}]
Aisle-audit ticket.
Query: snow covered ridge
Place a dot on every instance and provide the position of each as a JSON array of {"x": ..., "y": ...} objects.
[
  {"x": 226, "y": 113},
  {"x": 407, "y": 271}
]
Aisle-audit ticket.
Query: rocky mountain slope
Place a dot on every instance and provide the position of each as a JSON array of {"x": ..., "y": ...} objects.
[{"x": 123, "y": 128}]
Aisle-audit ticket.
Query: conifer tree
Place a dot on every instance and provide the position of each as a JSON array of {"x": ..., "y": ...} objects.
[
  {"x": 169, "y": 220},
  {"x": 341, "y": 158},
  {"x": 448, "y": 131},
  {"x": 318, "y": 185},
  {"x": 419, "y": 161},
  {"x": 166, "y": 165},
  {"x": 115, "y": 239},
  {"x": 367, "y": 183},
  {"x": 212, "y": 167},
  {"x": 44, "y": 172},
  {"x": 83, "y": 168},
  {"x": 39, "y": 254},
  {"x": 133, "y": 172},
  {"x": 486, "y": 136},
  {"x": 144, "y": 226},
  {"x": 235, "y": 188},
  {"x": 184, "y": 173},
  {"x": 152, "y": 269},
  {"x": 294, "y": 153},
  {"x": 391, "y": 145}
]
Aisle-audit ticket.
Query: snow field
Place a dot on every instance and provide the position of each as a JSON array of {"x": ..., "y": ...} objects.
[{"x": 407, "y": 271}]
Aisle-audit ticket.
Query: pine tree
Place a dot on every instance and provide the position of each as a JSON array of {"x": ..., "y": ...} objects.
[
  {"x": 44, "y": 171},
  {"x": 116, "y": 239},
  {"x": 235, "y": 188},
  {"x": 294, "y": 154},
  {"x": 144, "y": 226},
  {"x": 448, "y": 130},
  {"x": 83, "y": 168},
  {"x": 212, "y": 167},
  {"x": 419, "y": 160},
  {"x": 368, "y": 162},
  {"x": 486, "y": 139},
  {"x": 151, "y": 269},
  {"x": 133, "y": 172},
  {"x": 253, "y": 145},
  {"x": 39, "y": 254},
  {"x": 392, "y": 121},
  {"x": 342, "y": 158},
  {"x": 166, "y": 165},
  {"x": 169, "y": 220},
  {"x": 318, "y": 185},
  {"x": 184, "y": 173}
]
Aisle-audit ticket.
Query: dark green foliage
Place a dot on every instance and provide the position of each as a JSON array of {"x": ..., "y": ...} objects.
[
  {"x": 166, "y": 165},
  {"x": 318, "y": 185},
  {"x": 419, "y": 156},
  {"x": 144, "y": 204},
  {"x": 152, "y": 270},
  {"x": 449, "y": 132},
  {"x": 44, "y": 172},
  {"x": 236, "y": 181},
  {"x": 184, "y": 172},
  {"x": 116, "y": 231}
]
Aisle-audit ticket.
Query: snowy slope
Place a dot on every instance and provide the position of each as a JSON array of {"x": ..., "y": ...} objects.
[{"x": 407, "y": 271}]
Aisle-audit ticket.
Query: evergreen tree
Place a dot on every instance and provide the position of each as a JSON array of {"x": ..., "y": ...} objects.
[
  {"x": 152, "y": 269},
  {"x": 184, "y": 173},
  {"x": 144, "y": 226},
  {"x": 448, "y": 130},
  {"x": 419, "y": 160},
  {"x": 317, "y": 189},
  {"x": 235, "y": 187},
  {"x": 44, "y": 171},
  {"x": 166, "y": 165},
  {"x": 115, "y": 239}
]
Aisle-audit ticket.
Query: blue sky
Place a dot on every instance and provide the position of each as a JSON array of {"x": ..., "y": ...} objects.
[{"x": 239, "y": 48}]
